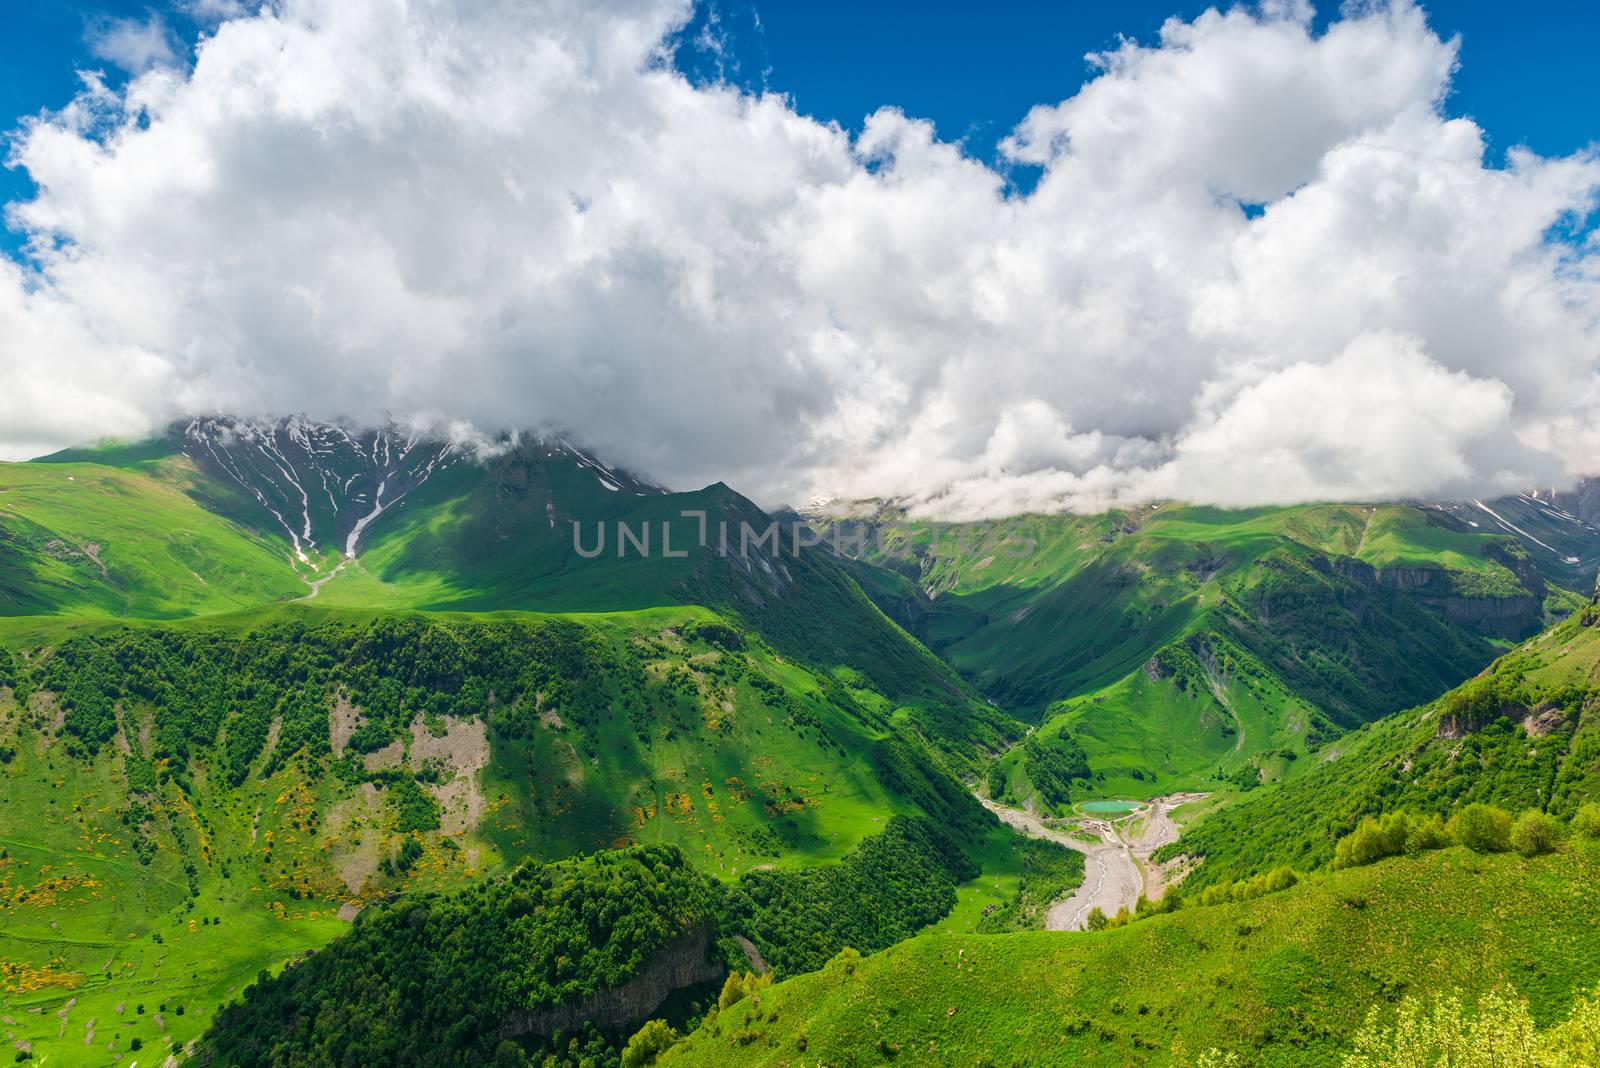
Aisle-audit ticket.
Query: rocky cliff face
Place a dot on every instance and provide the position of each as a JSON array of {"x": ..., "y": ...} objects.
[
  {"x": 1512, "y": 615},
  {"x": 685, "y": 962}
]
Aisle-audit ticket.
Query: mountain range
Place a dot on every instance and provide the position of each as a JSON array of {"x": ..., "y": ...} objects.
[{"x": 273, "y": 685}]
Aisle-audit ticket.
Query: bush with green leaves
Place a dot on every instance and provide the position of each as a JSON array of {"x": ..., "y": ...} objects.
[
  {"x": 740, "y": 985},
  {"x": 1388, "y": 836},
  {"x": 1373, "y": 840},
  {"x": 1535, "y": 832},
  {"x": 1272, "y": 882},
  {"x": 1482, "y": 828},
  {"x": 1586, "y": 822},
  {"x": 648, "y": 1043}
]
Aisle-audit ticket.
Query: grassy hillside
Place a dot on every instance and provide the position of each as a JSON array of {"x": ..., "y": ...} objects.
[
  {"x": 222, "y": 738},
  {"x": 188, "y": 783},
  {"x": 1283, "y": 980},
  {"x": 1523, "y": 734},
  {"x": 105, "y": 541},
  {"x": 1059, "y": 605}
]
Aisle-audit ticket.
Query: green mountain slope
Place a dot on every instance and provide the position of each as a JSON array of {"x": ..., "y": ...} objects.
[
  {"x": 1282, "y": 980},
  {"x": 1523, "y": 734},
  {"x": 1178, "y": 645},
  {"x": 526, "y": 526},
  {"x": 105, "y": 541},
  {"x": 222, "y": 789},
  {"x": 256, "y": 678},
  {"x": 437, "y": 979}
]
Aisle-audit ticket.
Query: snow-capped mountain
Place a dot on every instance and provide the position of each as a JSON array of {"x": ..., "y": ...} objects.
[
  {"x": 1563, "y": 542},
  {"x": 323, "y": 485}
]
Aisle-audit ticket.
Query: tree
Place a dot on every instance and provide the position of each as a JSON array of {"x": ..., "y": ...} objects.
[
  {"x": 1483, "y": 828},
  {"x": 1096, "y": 920},
  {"x": 648, "y": 1043},
  {"x": 740, "y": 985},
  {"x": 1500, "y": 1034},
  {"x": 1535, "y": 832}
]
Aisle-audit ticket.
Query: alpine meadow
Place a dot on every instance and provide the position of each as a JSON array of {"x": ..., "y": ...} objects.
[{"x": 686, "y": 533}]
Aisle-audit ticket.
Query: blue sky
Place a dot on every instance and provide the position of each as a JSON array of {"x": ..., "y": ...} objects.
[
  {"x": 1527, "y": 76},
  {"x": 1528, "y": 72}
]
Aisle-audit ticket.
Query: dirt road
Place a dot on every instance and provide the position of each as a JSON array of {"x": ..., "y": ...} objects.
[{"x": 1118, "y": 868}]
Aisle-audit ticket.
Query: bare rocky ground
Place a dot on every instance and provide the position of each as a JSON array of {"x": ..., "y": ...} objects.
[{"x": 1118, "y": 868}]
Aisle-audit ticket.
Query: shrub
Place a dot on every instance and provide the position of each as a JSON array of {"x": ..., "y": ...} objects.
[
  {"x": 1389, "y": 836},
  {"x": 1482, "y": 828},
  {"x": 1373, "y": 840},
  {"x": 1535, "y": 832},
  {"x": 740, "y": 985},
  {"x": 1587, "y": 820},
  {"x": 650, "y": 1042},
  {"x": 1427, "y": 834},
  {"x": 1279, "y": 878},
  {"x": 847, "y": 960}
]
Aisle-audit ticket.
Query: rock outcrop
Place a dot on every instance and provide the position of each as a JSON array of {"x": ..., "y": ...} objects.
[{"x": 1511, "y": 615}]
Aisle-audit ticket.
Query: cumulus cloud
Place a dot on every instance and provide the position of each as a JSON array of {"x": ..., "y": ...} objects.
[{"x": 1261, "y": 264}]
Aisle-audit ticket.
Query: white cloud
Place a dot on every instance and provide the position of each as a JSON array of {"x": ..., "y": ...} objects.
[
  {"x": 134, "y": 45},
  {"x": 517, "y": 214},
  {"x": 213, "y": 10}
]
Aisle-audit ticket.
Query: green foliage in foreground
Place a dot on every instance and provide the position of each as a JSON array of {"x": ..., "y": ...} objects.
[
  {"x": 1283, "y": 980},
  {"x": 1536, "y": 832},
  {"x": 1390, "y": 836},
  {"x": 1500, "y": 1034},
  {"x": 1484, "y": 828}
]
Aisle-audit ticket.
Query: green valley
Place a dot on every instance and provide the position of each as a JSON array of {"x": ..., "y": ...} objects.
[{"x": 1184, "y": 648}]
